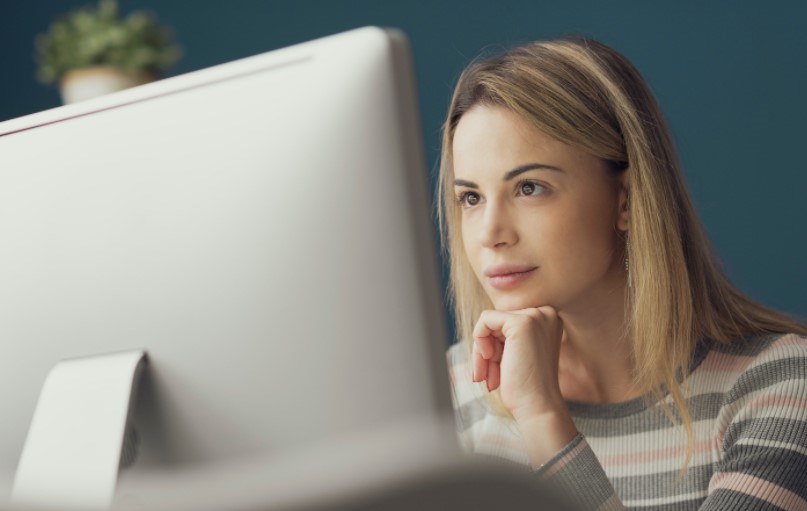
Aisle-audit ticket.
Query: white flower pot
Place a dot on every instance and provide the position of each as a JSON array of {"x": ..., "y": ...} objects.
[{"x": 81, "y": 84}]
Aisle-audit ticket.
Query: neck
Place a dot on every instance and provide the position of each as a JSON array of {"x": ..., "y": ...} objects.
[{"x": 596, "y": 363}]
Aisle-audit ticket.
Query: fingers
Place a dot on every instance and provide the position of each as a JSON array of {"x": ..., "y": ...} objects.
[
  {"x": 480, "y": 367},
  {"x": 489, "y": 323},
  {"x": 544, "y": 310},
  {"x": 499, "y": 346},
  {"x": 488, "y": 348},
  {"x": 492, "y": 330},
  {"x": 487, "y": 370},
  {"x": 494, "y": 375},
  {"x": 485, "y": 347}
]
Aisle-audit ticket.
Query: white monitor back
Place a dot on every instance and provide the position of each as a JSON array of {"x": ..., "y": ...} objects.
[{"x": 261, "y": 228}]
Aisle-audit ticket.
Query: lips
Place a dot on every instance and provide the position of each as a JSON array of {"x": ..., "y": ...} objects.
[
  {"x": 511, "y": 280},
  {"x": 499, "y": 270}
]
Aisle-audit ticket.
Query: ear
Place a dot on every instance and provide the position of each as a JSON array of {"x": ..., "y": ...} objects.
[{"x": 623, "y": 218}]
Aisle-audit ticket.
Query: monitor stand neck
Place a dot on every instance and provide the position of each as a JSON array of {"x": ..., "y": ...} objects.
[{"x": 72, "y": 453}]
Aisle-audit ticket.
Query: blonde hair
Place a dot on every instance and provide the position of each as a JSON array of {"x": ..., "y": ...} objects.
[{"x": 589, "y": 96}]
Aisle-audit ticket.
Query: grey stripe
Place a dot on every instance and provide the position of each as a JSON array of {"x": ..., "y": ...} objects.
[
  {"x": 684, "y": 505},
  {"x": 776, "y": 429},
  {"x": 729, "y": 499},
  {"x": 574, "y": 442},
  {"x": 784, "y": 467},
  {"x": 701, "y": 406},
  {"x": 750, "y": 347},
  {"x": 767, "y": 374}
]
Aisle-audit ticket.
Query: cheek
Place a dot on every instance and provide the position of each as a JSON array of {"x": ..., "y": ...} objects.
[
  {"x": 467, "y": 245},
  {"x": 587, "y": 237}
]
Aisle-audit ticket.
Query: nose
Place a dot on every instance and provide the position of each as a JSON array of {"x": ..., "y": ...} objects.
[{"x": 496, "y": 229}]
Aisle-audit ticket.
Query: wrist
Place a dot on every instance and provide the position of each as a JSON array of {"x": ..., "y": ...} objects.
[
  {"x": 545, "y": 410},
  {"x": 546, "y": 433}
]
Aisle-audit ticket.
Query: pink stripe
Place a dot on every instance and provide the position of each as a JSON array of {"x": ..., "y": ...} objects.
[
  {"x": 757, "y": 487},
  {"x": 782, "y": 400}
]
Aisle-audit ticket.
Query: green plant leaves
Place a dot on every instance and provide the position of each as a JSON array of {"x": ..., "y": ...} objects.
[{"x": 92, "y": 36}]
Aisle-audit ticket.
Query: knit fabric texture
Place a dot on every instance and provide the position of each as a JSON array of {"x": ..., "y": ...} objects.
[{"x": 748, "y": 401}]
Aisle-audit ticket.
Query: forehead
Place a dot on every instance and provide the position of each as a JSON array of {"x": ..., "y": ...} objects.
[{"x": 492, "y": 140}]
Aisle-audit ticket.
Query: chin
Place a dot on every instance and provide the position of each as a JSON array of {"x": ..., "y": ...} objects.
[{"x": 515, "y": 302}]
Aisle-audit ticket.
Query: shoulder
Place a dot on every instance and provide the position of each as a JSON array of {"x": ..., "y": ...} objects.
[
  {"x": 762, "y": 423},
  {"x": 767, "y": 397},
  {"x": 764, "y": 345},
  {"x": 767, "y": 361}
]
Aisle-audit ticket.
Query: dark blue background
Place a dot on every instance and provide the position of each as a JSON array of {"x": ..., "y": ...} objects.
[{"x": 731, "y": 79}]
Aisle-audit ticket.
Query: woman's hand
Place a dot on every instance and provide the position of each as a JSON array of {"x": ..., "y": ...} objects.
[{"x": 519, "y": 351}]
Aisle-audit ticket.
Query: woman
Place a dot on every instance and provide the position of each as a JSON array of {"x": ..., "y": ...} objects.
[{"x": 588, "y": 300}]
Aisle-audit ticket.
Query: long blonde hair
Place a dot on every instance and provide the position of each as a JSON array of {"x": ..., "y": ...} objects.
[{"x": 589, "y": 96}]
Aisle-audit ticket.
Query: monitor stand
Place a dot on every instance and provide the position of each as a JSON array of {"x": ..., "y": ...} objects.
[{"x": 72, "y": 453}]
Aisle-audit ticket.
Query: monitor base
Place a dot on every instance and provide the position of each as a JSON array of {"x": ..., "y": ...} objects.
[{"x": 72, "y": 453}]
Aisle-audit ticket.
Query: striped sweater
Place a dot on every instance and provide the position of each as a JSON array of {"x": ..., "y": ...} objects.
[{"x": 749, "y": 406}]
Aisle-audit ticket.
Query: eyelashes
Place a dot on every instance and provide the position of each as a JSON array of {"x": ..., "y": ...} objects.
[{"x": 460, "y": 198}]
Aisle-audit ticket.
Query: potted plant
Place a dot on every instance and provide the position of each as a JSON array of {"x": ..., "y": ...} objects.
[{"x": 93, "y": 51}]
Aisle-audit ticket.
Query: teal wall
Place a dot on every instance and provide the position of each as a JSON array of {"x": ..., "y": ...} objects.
[{"x": 730, "y": 76}]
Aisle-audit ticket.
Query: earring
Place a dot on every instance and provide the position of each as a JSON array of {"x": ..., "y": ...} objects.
[{"x": 627, "y": 267}]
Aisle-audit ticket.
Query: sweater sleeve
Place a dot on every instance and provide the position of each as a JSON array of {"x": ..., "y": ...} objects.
[
  {"x": 763, "y": 425},
  {"x": 575, "y": 472}
]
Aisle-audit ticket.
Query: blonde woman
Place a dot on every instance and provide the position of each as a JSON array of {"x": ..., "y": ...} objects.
[{"x": 601, "y": 345}]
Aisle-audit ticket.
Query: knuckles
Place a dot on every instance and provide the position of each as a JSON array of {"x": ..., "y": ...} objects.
[{"x": 530, "y": 318}]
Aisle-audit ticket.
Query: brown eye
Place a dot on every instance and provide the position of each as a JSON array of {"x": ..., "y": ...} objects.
[
  {"x": 461, "y": 199},
  {"x": 528, "y": 188}
]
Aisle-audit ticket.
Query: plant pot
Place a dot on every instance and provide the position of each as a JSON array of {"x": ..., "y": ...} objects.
[{"x": 90, "y": 82}]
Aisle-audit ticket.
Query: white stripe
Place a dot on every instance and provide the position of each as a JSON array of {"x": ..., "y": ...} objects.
[
  {"x": 662, "y": 438},
  {"x": 712, "y": 382},
  {"x": 772, "y": 443},
  {"x": 666, "y": 500}
]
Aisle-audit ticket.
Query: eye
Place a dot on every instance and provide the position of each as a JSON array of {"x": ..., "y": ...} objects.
[
  {"x": 529, "y": 187},
  {"x": 525, "y": 187},
  {"x": 462, "y": 196}
]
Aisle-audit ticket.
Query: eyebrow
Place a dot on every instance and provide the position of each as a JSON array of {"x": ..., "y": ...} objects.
[{"x": 513, "y": 173}]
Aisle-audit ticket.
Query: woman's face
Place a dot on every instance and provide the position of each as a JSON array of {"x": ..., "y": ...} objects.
[{"x": 533, "y": 201}]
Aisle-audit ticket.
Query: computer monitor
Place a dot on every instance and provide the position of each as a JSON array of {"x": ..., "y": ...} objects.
[{"x": 261, "y": 229}]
